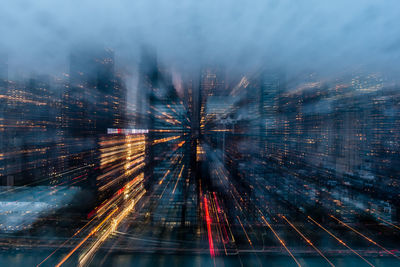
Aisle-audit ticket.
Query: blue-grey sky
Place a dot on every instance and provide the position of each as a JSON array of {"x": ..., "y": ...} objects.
[{"x": 311, "y": 34}]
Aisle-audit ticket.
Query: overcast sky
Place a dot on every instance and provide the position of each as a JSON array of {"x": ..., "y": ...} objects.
[{"x": 309, "y": 34}]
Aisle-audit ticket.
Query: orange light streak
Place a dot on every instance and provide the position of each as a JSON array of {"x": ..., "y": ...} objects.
[
  {"x": 365, "y": 237},
  {"x": 280, "y": 240},
  {"x": 77, "y": 232},
  {"x": 165, "y": 175},
  {"x": 86, "y": 238},
  {"x": 247, "y": 236},
  {"x": 179, "y": 177},
  {"x": 395, "y": 226},
  {"x": 340, "y": 241},
  {"x": 308, "y": 241},
  {"x": 163, "y": 140}
]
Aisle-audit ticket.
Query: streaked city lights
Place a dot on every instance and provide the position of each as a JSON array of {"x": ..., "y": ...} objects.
[{"x": 200, "y": 133}]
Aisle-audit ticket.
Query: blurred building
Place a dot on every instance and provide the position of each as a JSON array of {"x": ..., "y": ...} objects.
[
  {"x": 29, "y": 132},
  {"x": 95, "y": 98}
]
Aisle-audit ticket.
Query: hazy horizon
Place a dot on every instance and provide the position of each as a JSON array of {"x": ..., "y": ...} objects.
[{"x": 296, "y": 36}]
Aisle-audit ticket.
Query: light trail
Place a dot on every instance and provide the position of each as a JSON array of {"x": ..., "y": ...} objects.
[
  {"x": 83, "y": 259},
  {"x": 221, "y": 130},
  {"x": 181, "y": 143},
  {"x": 179, "y": 177},
  {"x": 166, "y": 139},
  {"x": 208, "y": 222},
  {"x": 165, "y": 175},
  {"x": 340, "y": 241},
  {"x": 391, "y": 224},
  {"x": 247, "y": 236},
  {"x": 280, "y": 240},
  {"x": 365, "y": 237},
  {"x": 308, "y": 241},
  {"x": 229, "y": 227},
  {"x": 224, "y": 233},
  {"x": 86, "y": 238},
  {"x": 107, "y": 203},
  {"x": 168, "y": 171},
  {"x": 63, "y": 244},
  {"x": 166, "y": 186},
  {"x": 217, "y": 211}
]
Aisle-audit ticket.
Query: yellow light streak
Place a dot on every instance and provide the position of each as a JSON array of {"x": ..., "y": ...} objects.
[
  {"x": 166, "y": 139},
  {"x": 395, "y": 226},
  {"x": 340, "y": 241},
  {"x": 179, "y": 177},
  {"x": 280, "y": 240},
  {"x": 86, "y": 238},
  {"x": 365, "y": 237},
  {"x": 247, "y": 236},
  {"x": 308, "y": 241}
]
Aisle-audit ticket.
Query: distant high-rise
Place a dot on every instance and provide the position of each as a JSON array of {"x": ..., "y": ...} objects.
[
  {"x": 95, "y": 97},
  {"x": 213, "y": 82},
  {"x": 148, "y": 79},
  {"x": 29, "y": 114},
  {"x": 272, "y": 85}
]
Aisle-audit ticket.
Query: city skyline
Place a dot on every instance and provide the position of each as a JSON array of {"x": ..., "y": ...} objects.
[{"x": 199, "y": 133}]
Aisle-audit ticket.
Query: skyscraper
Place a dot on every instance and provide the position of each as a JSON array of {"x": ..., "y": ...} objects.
[
  {"x": 148, "y": 79},
  {"x": 95, "y": 95}
]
